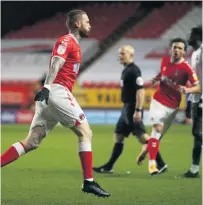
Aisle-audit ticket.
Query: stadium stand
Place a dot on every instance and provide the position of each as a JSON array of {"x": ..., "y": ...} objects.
[
  {"x": 157, "y": 22},
  {"x": 192, "y": 18},
  {"x": 104, "y": 19}
]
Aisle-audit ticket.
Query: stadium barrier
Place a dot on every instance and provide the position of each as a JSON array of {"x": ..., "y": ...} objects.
[
  {"x": 22, "y": 94},
  {"x": 94, "y": 116}
]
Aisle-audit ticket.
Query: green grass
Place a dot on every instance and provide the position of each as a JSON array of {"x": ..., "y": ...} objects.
[{"x": 51, "y": 174}]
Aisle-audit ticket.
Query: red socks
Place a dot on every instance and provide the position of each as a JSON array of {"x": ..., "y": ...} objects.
[
  {"x": 85, "y": 153},
  {"x": 12, "y": 153},
  {"x": 153, "y": 148}
]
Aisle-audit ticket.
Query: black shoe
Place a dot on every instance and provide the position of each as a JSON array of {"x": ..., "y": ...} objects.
[
  {"x": 163, "y": 169},
  {"x": 103, "y": 169},
  {"x": 189, "y": 174},
  {"x": 93, "y": 188}
]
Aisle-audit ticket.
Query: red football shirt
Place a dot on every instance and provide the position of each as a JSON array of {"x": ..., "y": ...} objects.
[
  {"x": 68, "y": 48},
  {"x": 171, "y": 76}
]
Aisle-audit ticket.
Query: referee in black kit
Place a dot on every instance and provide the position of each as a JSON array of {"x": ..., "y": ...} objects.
[{"x": 130, "y": 121}]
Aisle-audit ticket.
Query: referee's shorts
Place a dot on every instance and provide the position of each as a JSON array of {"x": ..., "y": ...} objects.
[{"x": 127, "y": 125}]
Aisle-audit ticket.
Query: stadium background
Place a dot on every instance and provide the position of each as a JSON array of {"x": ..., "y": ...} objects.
[{"x": 29, "y": 31}]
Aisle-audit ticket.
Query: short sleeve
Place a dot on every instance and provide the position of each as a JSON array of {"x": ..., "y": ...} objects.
[
  {"x": 162, "y": 69},
  {"x": 192, "y": 76},
  {"x": 62, "y": 48},
  {"x": 138, "y": 80},
  {"x": 164, "y": 61}
]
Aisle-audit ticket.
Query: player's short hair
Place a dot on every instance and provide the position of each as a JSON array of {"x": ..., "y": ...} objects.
[
  {"x": 73, "y": 16},
  {"x": 197, "y": 31},
  {"x": 179, "y": 40}
]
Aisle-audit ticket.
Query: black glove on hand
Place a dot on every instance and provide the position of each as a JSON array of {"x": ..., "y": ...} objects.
[{"x": 42, "y": 95}]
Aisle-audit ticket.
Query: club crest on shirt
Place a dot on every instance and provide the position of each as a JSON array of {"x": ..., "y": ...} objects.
[{"x": 61, "y": 49}]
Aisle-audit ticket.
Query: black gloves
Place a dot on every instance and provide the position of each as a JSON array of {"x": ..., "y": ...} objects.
[{"x": 43, "y": 95}]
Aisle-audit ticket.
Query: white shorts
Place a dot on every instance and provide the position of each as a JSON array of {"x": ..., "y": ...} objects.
[
  {"x": 62, "y": 107},
  {"x": 161, "y": 114}
]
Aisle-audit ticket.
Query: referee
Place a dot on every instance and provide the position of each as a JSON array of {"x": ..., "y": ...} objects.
[{"x": 130, "y": 121}]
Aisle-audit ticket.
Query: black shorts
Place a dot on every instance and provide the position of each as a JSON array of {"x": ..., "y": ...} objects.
[{"x": 126, "y": 124}]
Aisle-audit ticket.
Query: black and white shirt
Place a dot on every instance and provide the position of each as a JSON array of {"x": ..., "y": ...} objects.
[{"x": 196, "y": 62}]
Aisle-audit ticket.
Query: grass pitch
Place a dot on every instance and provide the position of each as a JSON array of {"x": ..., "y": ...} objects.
[{"x": 51, "y": 175}]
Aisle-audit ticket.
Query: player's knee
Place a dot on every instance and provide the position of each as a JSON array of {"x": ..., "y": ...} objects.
[
  {"x": 143, "y": 139},
  {"x": 198, "y": 144},
  {"x": 156, "y": 132},
  {"x": 118, "y": 138},
  {"x": 86, "y": 133},
  {"x": 158, "y": 128},
  {"x": 89, "y": 134},
  {"x": 197, "y": 133}
]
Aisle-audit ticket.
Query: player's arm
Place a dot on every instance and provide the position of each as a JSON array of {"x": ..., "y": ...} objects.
[
  {"x": 140, "y": 96},
  {"x": 59, "y": 54},
  {"x": 195, "y": 88},
  {"x": 157, "y": 78},
  {"x": 56, "y": 64}
]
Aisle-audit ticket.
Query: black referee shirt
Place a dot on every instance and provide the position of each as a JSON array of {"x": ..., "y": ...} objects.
[{"x": 131, "y": 81}]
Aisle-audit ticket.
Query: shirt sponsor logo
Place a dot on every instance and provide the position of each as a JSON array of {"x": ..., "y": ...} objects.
[{"x": 76, "y": 67}]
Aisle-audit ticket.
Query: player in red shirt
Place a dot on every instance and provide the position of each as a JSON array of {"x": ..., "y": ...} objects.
[
  {"x": 55, "y": 102},
  {"x": 175, "y": 73}
]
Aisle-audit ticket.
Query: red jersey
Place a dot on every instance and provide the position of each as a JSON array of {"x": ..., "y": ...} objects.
[
  {"x": 171, "y": 76},
  {"x": 67, "y": 47}
]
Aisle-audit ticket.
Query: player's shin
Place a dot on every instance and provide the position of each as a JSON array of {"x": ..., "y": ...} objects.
[
  {"x": 12, "y": 153},
  {"x": 85, "y": 153},
  {"x": 153, "y": 146}
]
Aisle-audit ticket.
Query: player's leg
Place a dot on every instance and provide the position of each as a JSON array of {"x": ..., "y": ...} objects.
[
  {"x": 140, "y": 132},
  {"x": 84, "y": 133},
  {"x": 122, "y": 130},
  {"x": 188, "y": 112},
  {"x": 115, "y": 154},
  {"x": 70, "y": 114},
  {"x": 197, "y": 147},
  {"x": 18, "y": 149},
  {"x": 161, "y": 118},
  {"x": 38, "y": 130}
]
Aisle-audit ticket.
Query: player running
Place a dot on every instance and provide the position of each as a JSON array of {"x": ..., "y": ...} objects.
[
  {"x": 55, "y": 102},
  {"x": 195, "y": 40},
  {"x": 174, "y": 74}
]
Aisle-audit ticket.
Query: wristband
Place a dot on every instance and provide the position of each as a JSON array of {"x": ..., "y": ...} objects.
[
  {"x": 138, "y": 110},
  {"x": 47, "y": 86}
]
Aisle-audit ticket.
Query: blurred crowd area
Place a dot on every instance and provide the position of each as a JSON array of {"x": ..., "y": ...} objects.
[{"x": 30, "y": 29}]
